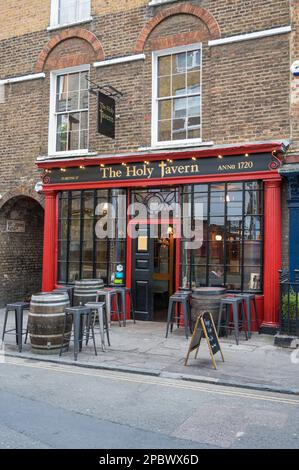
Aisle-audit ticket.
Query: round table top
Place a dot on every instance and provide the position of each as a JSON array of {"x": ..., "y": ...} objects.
[{"x": 209, "y": 290}]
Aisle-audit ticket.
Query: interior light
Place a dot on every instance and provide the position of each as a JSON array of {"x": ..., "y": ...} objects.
[
  {"x": 246, "y": 154},
  {"x": 218, "y": 238},
  {"x": 220, "y": 156},
  {"x": 227, "y": 198},
  {"x": 194, "y": 159}
]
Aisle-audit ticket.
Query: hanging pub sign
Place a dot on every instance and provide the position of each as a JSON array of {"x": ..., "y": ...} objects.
[{"x": 106, "y": 115}]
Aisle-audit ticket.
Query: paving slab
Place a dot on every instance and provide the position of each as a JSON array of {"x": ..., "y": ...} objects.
[{"x": 143, "y": 348}]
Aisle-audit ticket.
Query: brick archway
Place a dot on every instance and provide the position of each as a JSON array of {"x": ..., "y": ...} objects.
[
  {"x": 78, "y": 33},
  {"x": 188, "y": 9},
  {"x": 22, "y": 192}
]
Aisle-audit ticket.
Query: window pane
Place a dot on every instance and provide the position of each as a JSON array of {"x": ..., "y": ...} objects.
[
  {"x": 62, "y": 123},
  {"x": 194, "y": 106},
  {"x": 179, "y": 108},
  {"x": 62, "y": 87},
  {"x": 234, "y": 203},
  {"x": 217, "y": 203},
  {"x": 217, "y": 227},
  {"x": 164, "y": 87},
  {"x": 198, "y": 275},
  {"x": 73, "y": 82},
  {"x": 61, "y": 142},
  {"x": 233, "y": 277},
  {"x": 202, "y": 199},
  {"x": 62, "y": 268},
  {"x": 73, "y": 101},
  {"x": 84, "y": 139},
  {"x": 74, "y": 121},
  {"x": 164, "y": 110},
  {"x": 194, "y": 133},
  {"x": 179, "y": 63},
  {"x": 253, "y": 202},
  {"x": 252, "y": 253},
  {"x": 252, "y": 278},
  {"x": 84, "y": 85},
  {"x": 74, "y": 272},
  {"x": 164, "y": 66},
  {"x": 87, "y": 251},
  {"x": 179, "y": 84},
  {"x": 252, "y": 228},
  {"x": 200, "y": 255},
  {"x": 216, "y": 275},
  {"x": 87, "y": 271},
  {"x": 216, "y": 252},
  {"x": 83, "y": 104},
  {"x": 62, "y": 251},
  {"x": 84, "y": 9},
  {"x": 74, "y": 141},
  {"x": 74, "y": 254},
  {"x": 164, "y": 130},
  {"x": 234, "y": 254},
  {"x": 193, "y": 82},
  {"x": 193, "y": 60},
  {"x": 179, "y": 129}
]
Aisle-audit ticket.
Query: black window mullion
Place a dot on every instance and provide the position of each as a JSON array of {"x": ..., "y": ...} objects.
[{"x": 69, "y": 221}]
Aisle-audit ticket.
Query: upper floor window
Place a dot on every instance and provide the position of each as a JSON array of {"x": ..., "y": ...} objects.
[
  {"x": 69, "y": 11},
  {"x": 177, "y": 95},
  {"x": 69, "y": 121}
]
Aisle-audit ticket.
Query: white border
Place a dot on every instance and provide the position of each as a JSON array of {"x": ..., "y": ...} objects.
[
  {"x": 153, "y": 3},
  {"x": 54, "y": 24},
  {"x": 23, "y": 78},
  {"x": 119, "y": 60},
  {"x": 52, "y": 123},
  {"x": 250, "y": 36},
  {"x": 170, "y": 143}
]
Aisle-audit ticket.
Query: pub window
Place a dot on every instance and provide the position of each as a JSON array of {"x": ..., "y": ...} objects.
[
  {"x": 81, "y": 254},
  {"x": 177, "y": 95},
  {"x": 231, "y": 253},
  {"x": 69, "y": 120},
  {"x": 65, "y": 12}
]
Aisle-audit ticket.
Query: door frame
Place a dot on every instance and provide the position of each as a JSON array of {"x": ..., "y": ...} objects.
[{"x": 177, "y": 243}]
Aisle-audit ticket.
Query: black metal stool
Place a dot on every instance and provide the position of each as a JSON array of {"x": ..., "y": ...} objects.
[
  {"x": 249, "y": 299},
  {"x": 123, "y": 292},
  {"x": 179, "y": 300},
  {"x": 18, "y": 308},
  {"x": 79, "y": 314},
  {"x": 237, "y": 305}
]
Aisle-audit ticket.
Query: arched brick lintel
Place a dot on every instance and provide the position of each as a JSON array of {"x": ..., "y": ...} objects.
[
  {"x": 19, "y": 193},
  {"x": 63, "y": 36},
  {"x": 186, "y": 9}
]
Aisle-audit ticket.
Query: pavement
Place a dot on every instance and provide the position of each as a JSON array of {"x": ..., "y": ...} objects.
[
  {"x": 142, "y": 348},
  {"x": 56, "y": 406}
]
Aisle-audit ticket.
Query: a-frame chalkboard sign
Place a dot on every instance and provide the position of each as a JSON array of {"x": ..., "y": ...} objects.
[{"x": 205, "y": 326}]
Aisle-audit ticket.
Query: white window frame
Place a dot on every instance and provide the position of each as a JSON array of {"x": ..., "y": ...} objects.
[
  {"x": 54, "y": 21},
  {"x": 53, "y": 116},
  {"x": 155, "y": 56}
]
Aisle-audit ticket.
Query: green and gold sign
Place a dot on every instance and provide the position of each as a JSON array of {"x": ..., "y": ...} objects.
[{"x": 164, "y": 169}]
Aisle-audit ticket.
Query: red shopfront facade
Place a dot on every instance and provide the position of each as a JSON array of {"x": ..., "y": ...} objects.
[{"x": 239, "y": 187}]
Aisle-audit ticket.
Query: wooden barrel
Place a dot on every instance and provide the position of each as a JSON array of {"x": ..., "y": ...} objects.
[
  {"x": 86, "y": 290},
  {"x": 46, "y": 321},
  {"x": 206, "y": 299}
]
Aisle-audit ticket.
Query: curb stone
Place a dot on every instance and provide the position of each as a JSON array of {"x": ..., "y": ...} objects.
[{"x": 163, "y": 374}]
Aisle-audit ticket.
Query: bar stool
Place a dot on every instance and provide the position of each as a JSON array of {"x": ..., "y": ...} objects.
[
  {"x": 100, "y": 309},
  {"x": 237, "y": 306},
  {"x": 123, "y": 292},
  {"x": 18, "y": 308},
  {"x": 79, "y": 314},
  {"x": 109, "y": 294},
  {"x": 179, "y": 300},
  {"x": 248, "y": 298}
]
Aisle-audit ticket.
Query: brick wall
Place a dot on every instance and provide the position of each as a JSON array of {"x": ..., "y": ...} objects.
[
  {"x": 245, "y": 85},
  {"x": 20, "y": 253}
]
